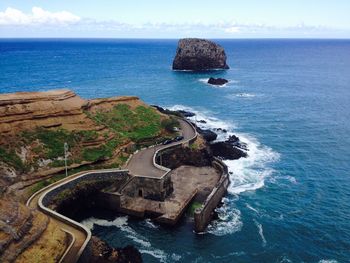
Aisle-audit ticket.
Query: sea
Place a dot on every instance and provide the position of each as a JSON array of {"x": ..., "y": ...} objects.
[{"x": 288, "y": 99}]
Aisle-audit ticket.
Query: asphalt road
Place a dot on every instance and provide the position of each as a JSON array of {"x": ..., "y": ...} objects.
[
  {"x": 141, "y": 163},
  {"x": 79, "y": 235}
]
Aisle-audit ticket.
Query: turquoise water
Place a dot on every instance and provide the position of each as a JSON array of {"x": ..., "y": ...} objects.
[{"x": 289, "y": 201}]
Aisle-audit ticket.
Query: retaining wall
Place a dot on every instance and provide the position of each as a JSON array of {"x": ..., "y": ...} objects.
[
  {"x": 89, "y": 177},
  {"x": 48, "y": 192},
  {"x": 202, "y": 216}
]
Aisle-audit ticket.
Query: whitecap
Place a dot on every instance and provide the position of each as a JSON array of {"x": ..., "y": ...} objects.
[
  {"x": 249, "y": 173},
  {"x": 148, "y": 223},
  {"x": 246, "y": 174},
  {"x": 143, "y": 243},
  {"x": 328, "y": 261},
  {"x": 252, "y": 208},
  {"x": 204, "y": 80},
  {"x": 246, "y": 95},
  {"x": 156, "y": 253},
  {"x": 261, "y": 232},
  {"x": 229, "y": 220}
]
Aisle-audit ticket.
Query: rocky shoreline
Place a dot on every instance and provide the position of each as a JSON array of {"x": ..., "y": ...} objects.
[
  {"x": 230, "y": 149},
  {"x": 101, "y": 252}
]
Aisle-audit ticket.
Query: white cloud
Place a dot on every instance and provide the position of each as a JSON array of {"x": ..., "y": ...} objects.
[
  {"x": 44, "y": 23},
  {"x": 38, "y": 16},
  {"x": 231, "y": 30}
]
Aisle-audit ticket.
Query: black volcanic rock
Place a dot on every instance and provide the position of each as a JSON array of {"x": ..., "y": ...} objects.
[
  {"x": 208, "y": 135},
  {"x": 186, "y": 113},
  {"x": 218, "y": 81},
  {"x": 199, "y": 54},
  {"x": 226, "y": 151}
]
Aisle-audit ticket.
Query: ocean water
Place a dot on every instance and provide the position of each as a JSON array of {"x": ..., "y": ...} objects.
[{"x": 289, "y": 100}]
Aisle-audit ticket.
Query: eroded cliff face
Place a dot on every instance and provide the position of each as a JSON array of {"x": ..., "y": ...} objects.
[
  {"x": 35, "y": 125},
  {"x": 28, "y": 235},
  {"x": 56, "y": 108},
  {"x": 199, "y": 54}
]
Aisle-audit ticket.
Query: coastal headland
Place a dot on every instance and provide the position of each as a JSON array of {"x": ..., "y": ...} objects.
[{"x": 123, "y": 156}]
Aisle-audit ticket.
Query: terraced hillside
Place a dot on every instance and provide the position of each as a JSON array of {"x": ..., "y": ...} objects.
[
  {"x": 28, "y": 235},
  {"x": 103, "y": 132}
]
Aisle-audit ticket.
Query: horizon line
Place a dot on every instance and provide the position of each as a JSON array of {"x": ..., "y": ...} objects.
[{"x": 155, "y": 38}]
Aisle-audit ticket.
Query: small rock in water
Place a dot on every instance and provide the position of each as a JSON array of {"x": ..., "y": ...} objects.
[
  {"x": 218, "y": 81},
  {"x": 202, "y": 121}
]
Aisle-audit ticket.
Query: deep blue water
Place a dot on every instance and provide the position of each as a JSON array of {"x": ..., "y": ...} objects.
[{"x": 289, "y": 201}]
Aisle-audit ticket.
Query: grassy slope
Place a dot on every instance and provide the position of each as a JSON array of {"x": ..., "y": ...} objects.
[{"x": 141, "y": 125}]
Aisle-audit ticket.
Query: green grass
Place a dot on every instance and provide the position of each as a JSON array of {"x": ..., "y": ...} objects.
[
  {"x": 192, "y": 208},
  {"x": 141, "y": 125},
  {"x": 170, "y": 124},
  {"x": 101, "y": 152},
  {"x": 39, "y": 185},
  {"x": 12, "y": 159},
  {"x": 138, "y": 125},
  {"x": 87, "y": 136},
  {"x": 53, "y": 140}
]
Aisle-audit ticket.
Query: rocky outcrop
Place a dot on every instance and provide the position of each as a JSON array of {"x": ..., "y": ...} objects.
[
  {"x": 55, "y": 108},
  {"x": 230, "y": 149},
  {"x": 199, "y": 54},
  {"x": 208, "y": 135},
  {"x": 186, "y": 156},
  {"x": 227, "y": 151},
  {"x": 35, "y": 125},
  {"x": 24, "y": 232},
  {"x": 101, "y": 252},
  {"x": 218, "y": 81}
]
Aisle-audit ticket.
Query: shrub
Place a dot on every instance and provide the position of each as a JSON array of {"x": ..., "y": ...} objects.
[{"x": 170, "y": 124}]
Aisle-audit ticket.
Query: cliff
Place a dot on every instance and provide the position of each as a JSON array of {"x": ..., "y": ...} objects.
[
  {"x": 28, "y": 235},
  {"x": 199, "y": 54},
  {"x": 35, "y": 125}
]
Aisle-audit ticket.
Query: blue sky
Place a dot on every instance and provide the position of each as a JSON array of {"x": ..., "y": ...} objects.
[{"x": 174, "y": 19}]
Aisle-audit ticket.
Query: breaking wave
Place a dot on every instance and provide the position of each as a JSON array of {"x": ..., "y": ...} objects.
[
  {"x": 261, "y": 232},
  {"x": 142, "y": 242},
  {"x": 246, "y": 174}
]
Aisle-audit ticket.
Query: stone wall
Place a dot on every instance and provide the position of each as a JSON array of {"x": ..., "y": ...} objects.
[
  {"x": 202, "y": 216},
  {"x": 149, "y": 187},
  {"x": 91, "y": 176}
]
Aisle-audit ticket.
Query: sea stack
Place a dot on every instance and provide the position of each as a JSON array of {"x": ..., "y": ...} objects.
[{"x": 199, "y": 54}]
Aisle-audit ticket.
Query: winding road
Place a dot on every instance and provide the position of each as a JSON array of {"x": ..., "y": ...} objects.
[
  {"x": 80, "y": 235},
  {"x": 141, "y": 164}
]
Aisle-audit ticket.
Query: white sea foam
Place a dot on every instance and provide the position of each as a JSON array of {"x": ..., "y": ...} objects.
[
  {"x": 229, "y": 220},
  {"x": 204, "y": 80},
  {"x": 246, "y": 174},
  {"x": 328, "y": 261},
  {"x": 148, "y": 223},
  {"x": 291, "y": 179},
  {"x": 252, "y": 208},
  {"x": 246, "y": 95},
  {"x": 261, "y": 232},
  {"x": 142, "y": 242}
]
